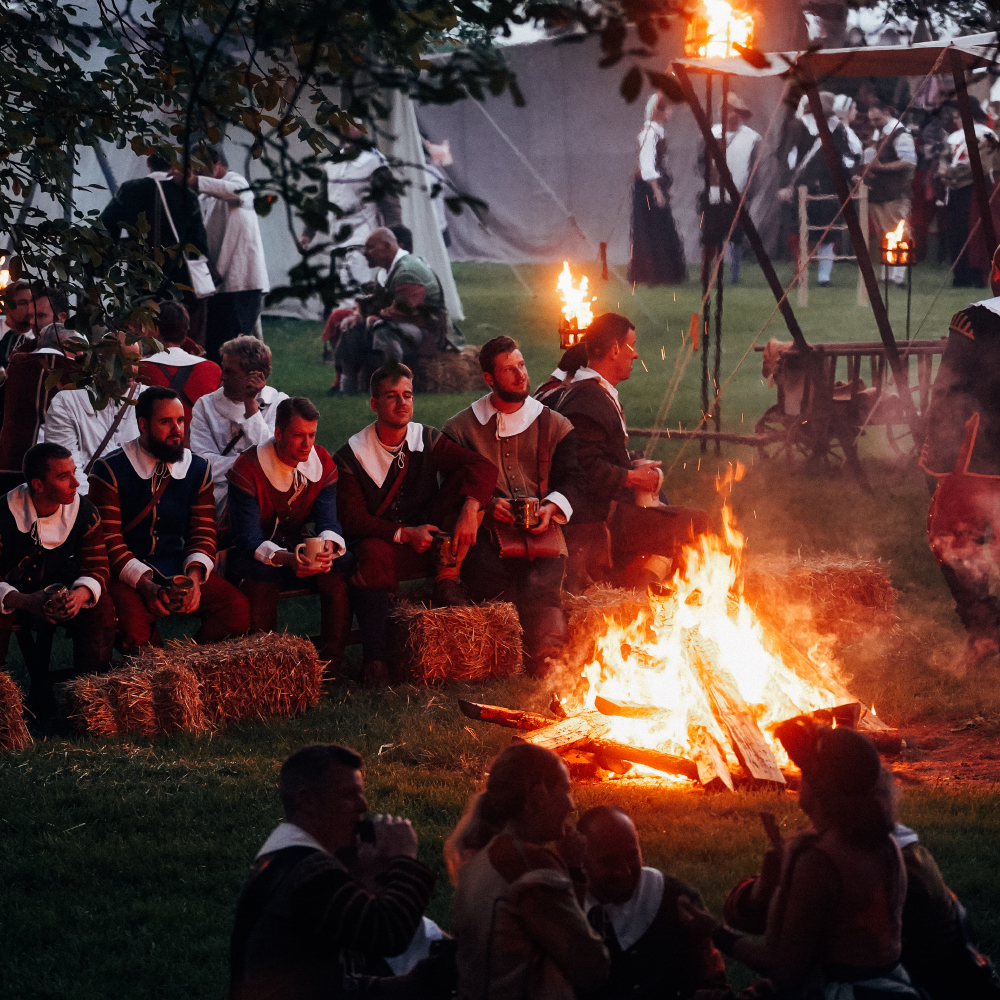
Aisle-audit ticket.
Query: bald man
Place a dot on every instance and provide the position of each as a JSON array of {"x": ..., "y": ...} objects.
[{"x": 634, "y": 909}]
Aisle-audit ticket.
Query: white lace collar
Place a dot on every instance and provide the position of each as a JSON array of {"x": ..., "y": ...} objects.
[
  {"x": 508, "y": 424},
  {"x": 174, "y": 356},
  {"x": 279, "y": 475},
  {"x": 52, "y": 530},
  {"x": 992, "y": 304},
  {"x": 632, "y": 919},
  {"x": 287, "y": 834},
  {"x": 374, "y": 459},
  {"x": 145, "y": 464}
]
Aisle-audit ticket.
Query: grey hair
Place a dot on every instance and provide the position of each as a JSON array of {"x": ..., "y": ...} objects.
[
  {"x": 252, "y": 354},
  {"x": 54, "y": 336}
]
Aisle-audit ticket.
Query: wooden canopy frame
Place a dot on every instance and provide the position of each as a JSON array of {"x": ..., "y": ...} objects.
[{"x": 958, "y": 55}]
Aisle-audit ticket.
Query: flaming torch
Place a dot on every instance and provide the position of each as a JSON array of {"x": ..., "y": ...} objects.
[
  {"x": 715, "y": 28},
  {"x": 577, "y": 314},
  {"x": 899, "y": 251}
]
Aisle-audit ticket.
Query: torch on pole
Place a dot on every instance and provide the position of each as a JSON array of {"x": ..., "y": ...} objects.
[{"x": 899, "y": 251}]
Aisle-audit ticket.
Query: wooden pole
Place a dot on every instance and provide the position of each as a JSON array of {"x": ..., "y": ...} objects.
[
  {"x": 803, "y": 282},
  {"x": 717, "y": 366},
  {"x": 707, "y": 253},
  {"x": 864, "y": 259},
  {"x": 975, "y": 162},
  {"x": 726, "y": 182}
]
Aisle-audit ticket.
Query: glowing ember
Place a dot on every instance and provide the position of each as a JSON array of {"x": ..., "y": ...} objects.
[
  {"x": 700, "y": 637},
  {"x": 576, "y": 309},
  {"x": 4, "y": 278},
  {"x": 714, "y": 29}
]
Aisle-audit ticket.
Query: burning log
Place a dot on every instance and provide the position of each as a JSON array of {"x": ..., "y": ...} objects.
[
  {"x": 568, "y": 733},
  {"x": 732, "y": 714},
  {"x": 667, "y": 762},
  {"x": 710, "y": 761},
  {"x": 509, "y": 717}
]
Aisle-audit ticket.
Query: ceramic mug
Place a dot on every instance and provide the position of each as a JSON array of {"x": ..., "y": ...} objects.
[{"x": 312, "y": 548}]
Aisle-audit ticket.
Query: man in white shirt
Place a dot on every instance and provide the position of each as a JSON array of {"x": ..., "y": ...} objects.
[
  {"x": 238, "y": 415},
  {"x": 236, "y": 250}
]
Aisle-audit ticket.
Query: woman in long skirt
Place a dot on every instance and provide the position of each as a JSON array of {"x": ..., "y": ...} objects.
[{"x": 657, "y": 254}]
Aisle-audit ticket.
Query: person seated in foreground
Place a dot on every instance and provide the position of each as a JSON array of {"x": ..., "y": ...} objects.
[
  {"x": 641, "y": 525},
  {"x": 181, "y": 365},
  {"x": 535, "y": 450},
  {"x": 556, "y": 385},
  {"x": 521, "y": 930},
  {"x": 49, "y": 534},
  {"x": 275, "y": 491},
  {"x": 155, "y": 500},
  {"x": 303, "y": 923},
  {"x": 634, "y": 909},
  {"x": 834, "y": 923},
  {"x": 392, "y": 507},
  {"x": 238, "y": 415},
  {"x": 405, "y": 319}
]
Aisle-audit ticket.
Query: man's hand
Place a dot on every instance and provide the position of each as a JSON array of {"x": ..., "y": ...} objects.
[
  {"x": 501, "y": 511},
  {"x": 463, "y": 537},
  {"x": 254, "y": 383},
  {"x": 197, "y": 573},
  {"x": 646, "y": 478},
  {"x": 78, "y": 597},
  {"x": 658, "y": 196},
  {"x": 150, "y": 594},
  {"x": 545, "y": 512},
  {"x": 394, "y": 836},
  {"x": 34, "y": 604},
  {"x": 419, "y": 538},
  {"x": 323, "y": 562}
]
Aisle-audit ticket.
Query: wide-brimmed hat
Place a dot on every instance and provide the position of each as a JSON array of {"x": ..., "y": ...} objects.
[{"x": 840, "y": 760}]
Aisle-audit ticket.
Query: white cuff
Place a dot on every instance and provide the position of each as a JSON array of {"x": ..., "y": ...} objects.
[
  {"x": 5, "y": 589},
  {"x": 91, "y": 584},
  {"x": 265, "y": 551},
  {"x": 133, "y": 571},
  {"x": 398, "y": 536},
  {"x": 564, "y": 506},
  {"x": 339, "y": 545},
  {"x": 202, "y": 560}
]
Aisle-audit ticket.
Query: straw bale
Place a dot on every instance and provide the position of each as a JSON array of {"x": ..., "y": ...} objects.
[
  {"x": 92, "y": 705},
  {"x": 131, "y": 696},
  {"x": 467, "y": 644},
  {"x": 177, "y": 700},
  {"x": 251, "y": 677},
  {"x": 449, "y": 371},
  {"x": 14, "y": 733},
  {"x": 838, "y": 595},
  {"x": 587, "y": 618}
]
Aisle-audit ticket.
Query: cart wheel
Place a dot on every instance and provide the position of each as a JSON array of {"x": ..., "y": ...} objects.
[
  {"x": 777, "y": 426},
  {"x": 900, "y": 439}
]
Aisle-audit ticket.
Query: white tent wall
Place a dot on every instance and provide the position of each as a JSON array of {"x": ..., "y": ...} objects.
[{"x": 579, "y": 140}]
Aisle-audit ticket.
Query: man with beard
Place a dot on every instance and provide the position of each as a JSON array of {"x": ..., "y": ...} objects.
[
  {"x": 634, "y": 909},
  {"x": 156, "y": 502},
  {"x": 535, "y": 450},
  {"x": 393, "y": 509}
]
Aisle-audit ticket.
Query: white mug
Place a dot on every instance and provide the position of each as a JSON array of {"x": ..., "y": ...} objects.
[{"x": 313, "y": 547}]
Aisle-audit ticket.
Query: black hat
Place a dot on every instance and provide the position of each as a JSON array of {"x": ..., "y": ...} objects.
[{"x": 840, "y": 760}]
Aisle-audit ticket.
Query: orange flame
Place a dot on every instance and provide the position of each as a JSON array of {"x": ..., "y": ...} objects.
[
  {"x": 715, "y": 28},
  {"x": 4, "y": 278},
  {"x": 702, "y": 627},
  {"x": 894, "y": 245},
  {"x": 576, "y": 306}
]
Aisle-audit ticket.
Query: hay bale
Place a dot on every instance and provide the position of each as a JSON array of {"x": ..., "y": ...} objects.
[
  {"x": 588, "y": 616},
  {"x": 91, "y": 705},
  {"x": 449, "y": 371},
  {"x": 14, "y": 733},
  {"x": 131, "y": 697},
  {"x": 834, "y": 594},
  {"x": 177, "y": 700},
  {"x": 252, "y": 677},
  {"x": 459, "y": 644}
]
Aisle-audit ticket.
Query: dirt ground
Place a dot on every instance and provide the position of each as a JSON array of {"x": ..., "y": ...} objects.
[{"x": 960, "y": 754}]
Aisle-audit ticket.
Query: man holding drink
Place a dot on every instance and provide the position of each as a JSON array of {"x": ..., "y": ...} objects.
[
  {"x": 54, "y": 567},
  {"x": 156, "y": 503},
  {"x": 276, "y": 490}
]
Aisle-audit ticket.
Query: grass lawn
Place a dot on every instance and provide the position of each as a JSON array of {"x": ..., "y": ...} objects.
[{"x": 122, "y": 858}]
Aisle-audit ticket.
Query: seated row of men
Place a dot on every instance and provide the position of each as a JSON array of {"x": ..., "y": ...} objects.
[{"x": 491, "y": 507}]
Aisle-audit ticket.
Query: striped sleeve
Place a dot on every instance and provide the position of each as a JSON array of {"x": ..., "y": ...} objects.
[
  {"x": 961, "y": 324},
  {"x": 347, "y": 915},
  {"x": 92, "y": 558},
  {"x": 201, "y": 545},
  {"x": 104, "y": 495}
]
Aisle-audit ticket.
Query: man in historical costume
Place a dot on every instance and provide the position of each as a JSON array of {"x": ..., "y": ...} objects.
[
  {"x": 620, "y": 509},
  {"x": 239, "y": 415},
  {"x": 155, "y": 500},
  {"x": 392, "y": 507},
  {"x": 407, "y": 321},
  {"x": 535, "y": 450},
  {"x": 147, "y": 195},
  {"x": 275, "y": 491},
  {"x": 557, "y": 384},
  {"x": 890, "y": 178},
  {"x": 304, "y": 925},
  {"x": 962, "y": 452},
  {"x": 49, "y": 534},
  {"x": 32, "y": 380},
  {"x": 181, "y": 365},
  {"x": 15, "y": 321},
  {"x": 742, "y": 149},
  {"x": 634, "y": 909},
  {"x": 236, "y": 250}
]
